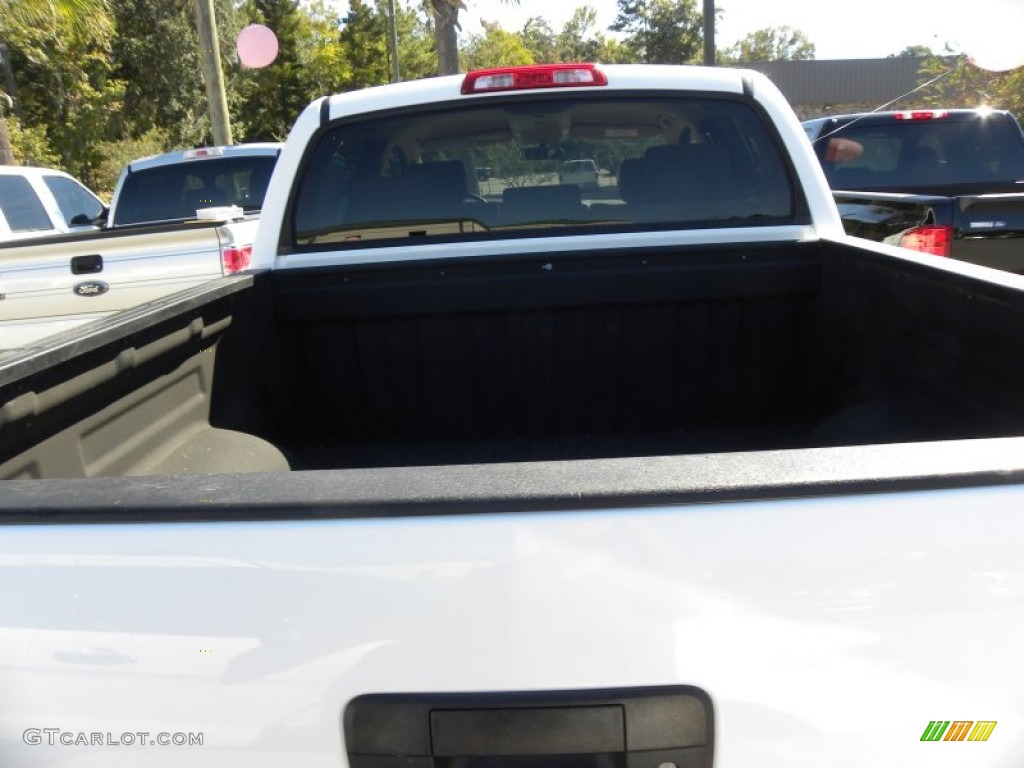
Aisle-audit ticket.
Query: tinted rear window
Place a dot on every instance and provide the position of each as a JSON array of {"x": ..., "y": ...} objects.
[
  {"x": 178, "y": 191},
  {"x": 486, "y": 169},
  {"x": 940, "y": 152}
]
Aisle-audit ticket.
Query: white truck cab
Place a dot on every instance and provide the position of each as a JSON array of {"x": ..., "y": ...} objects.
[{"x": 41, "y": 201}]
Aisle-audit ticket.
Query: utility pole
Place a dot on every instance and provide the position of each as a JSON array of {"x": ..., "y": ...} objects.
[
  {"x": 395, "y": 74},
  {"x": 709, "y": 33},
  {"x": 209, "y": 55}
]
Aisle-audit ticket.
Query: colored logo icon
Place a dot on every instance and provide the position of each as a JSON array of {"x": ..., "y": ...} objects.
[{"x": 958, "y": 730}]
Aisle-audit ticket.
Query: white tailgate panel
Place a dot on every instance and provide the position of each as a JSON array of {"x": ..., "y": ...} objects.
[{"x": 828, "y": 632}]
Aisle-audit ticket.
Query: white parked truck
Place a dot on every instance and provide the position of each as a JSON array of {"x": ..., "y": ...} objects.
[
  {"x": 175, "y": 220},
  {"x": 460, "y": 476},
  {"x": 44, "y": 201}
]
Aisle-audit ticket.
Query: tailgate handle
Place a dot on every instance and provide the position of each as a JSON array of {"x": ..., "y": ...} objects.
[
  {"x": 86, "y": 265},
  {"x": 636, "y": 727}
]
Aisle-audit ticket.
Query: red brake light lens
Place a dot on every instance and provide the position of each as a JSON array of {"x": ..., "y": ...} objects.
[
  {"x": 922, "y": 114},
  {"x": 192, "y": 154},
  {"x": 539, "y": 76},
  {"x": 931, "y": 239},
  {"x": 236, "y": 259}
]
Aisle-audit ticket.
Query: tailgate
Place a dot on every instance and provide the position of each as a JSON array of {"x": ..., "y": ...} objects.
[
  {"x": 989, "y": 230},
  {"x": 831, "y": 630},
  {"x": 62, "y": 276}
]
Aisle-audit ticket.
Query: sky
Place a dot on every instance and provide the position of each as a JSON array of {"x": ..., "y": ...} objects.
[{"x": 839, "y": 30}]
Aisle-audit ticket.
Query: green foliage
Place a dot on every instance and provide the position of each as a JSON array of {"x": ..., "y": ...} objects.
[
  {"x": 661, "y": 31},
  {"x": 365, "y": 50},
  {"x": 495, "y": 48},
  {"x": 958, "y": 83},
  {"x": 770, "y": 44},
  {"x": 30, "y": 144},
  {"x": 156, "y": 54},
  {"x": 62, "y": 62},
  {"x": 117, "y": 154},
  {"x": 417, "y": 54},
  {"x": 364, "y": 39},
  {"x": 272, "y": 97},
  {"x": 539, "y": 39},
  {"x": 578, "y": 40},
  {"x": 912, "y": 52}
]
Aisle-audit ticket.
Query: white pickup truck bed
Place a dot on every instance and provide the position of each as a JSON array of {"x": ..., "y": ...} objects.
[{"x": 475, "y": 471}]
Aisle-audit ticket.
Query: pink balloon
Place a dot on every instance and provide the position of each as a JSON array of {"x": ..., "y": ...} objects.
[{"x": 257, "y": 46}]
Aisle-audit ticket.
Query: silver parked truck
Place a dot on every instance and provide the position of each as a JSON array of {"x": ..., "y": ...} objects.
[
  {"x": 489, "y": 472},
  {"x": 175, "y": 220}
]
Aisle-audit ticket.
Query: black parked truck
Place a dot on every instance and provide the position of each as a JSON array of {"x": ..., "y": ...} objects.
[{"x": 949, "y": 182}]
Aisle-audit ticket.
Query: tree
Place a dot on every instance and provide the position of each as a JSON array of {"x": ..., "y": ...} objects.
[
  {"x": 61, "y": 57},
  {"x": 661, "y": 31},
  {"x": 771, "y": 44},
  {"x": 84, "y": 19},
  {"x": 417, "y": 54},
  {"x": 272, "y": 97},
  {"x": 952, "y": 81},
  {"x": 912, "y": 52},
  {"x": 496, "y": 48},
  {"x": 577, "y": 41},
  {"x": 364, "y": 40},
  {"x": 539, "y": 39},
  {"x": 446, "y": 22},
  {"x": 156, "y": 55}
]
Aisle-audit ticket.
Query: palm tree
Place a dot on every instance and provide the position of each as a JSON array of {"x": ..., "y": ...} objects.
[
  {"x": 76, "y": 15},
  {"x": 446, "y": 22}
]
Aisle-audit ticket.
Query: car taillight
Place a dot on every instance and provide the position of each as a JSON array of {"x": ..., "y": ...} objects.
[
  {"x": 533, "y": 76},
  {"x": 922, "y": 114},
  {"x": 236, "y": 259},
  {"x": 931, "y": 239}
]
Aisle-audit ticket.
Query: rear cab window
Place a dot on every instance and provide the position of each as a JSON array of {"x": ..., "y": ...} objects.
[
  {"x": 948, "y": 151},
  {"x": 551, "y": 165},
  {"x": 176, "y": 191}
]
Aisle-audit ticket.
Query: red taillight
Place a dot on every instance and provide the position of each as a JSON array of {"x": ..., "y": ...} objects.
[
  {"x": 534, "y": 76},
  {"x": 922, "y": 114},
  {"x": 931, "y": 239},
  {"x": 236, "y": 259},
  {"x": 192, "y": 154}
]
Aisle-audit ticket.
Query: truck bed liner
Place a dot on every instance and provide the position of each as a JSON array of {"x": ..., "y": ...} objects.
[{"x": 534, "y": 358}]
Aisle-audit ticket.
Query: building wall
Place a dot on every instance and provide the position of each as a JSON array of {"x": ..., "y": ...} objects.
[{"x": 831, "y": 87}]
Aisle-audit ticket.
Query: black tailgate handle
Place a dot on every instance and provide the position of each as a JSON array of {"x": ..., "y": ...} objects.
[
  {"x": 654, "y": 727},
  {"x": 86, "y": 265}
]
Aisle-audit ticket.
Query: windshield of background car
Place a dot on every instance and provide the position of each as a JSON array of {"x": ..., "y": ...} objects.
[
  {"x": 178, "y": 190},
  {"x": 941, "y": 152},
  {"x": 482, "y": 170}
]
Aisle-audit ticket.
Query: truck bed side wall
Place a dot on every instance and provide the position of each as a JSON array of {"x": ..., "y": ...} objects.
[
  {"x": 529, "y": 358},
  {"x": 649, "y": 353}
]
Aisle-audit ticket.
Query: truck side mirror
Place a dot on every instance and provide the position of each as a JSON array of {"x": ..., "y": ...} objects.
[{"x": 85, "y": 220}]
